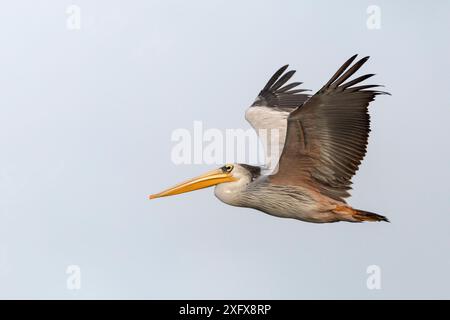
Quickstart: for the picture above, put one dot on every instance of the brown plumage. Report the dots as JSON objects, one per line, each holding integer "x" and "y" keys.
{"x": 327, "y": 136}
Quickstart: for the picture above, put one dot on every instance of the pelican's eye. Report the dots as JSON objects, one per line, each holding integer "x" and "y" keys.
{"x": 227, "y": 168}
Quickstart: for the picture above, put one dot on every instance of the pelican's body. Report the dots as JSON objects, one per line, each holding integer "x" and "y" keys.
{"x": 322, "y": 138}
{"x": 280, "y": 201}
{"x": 252, "y": 190}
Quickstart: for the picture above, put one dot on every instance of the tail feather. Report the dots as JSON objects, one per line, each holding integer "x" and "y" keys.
{"x": 347, "y": 213}
{"x": 368, "y": 216}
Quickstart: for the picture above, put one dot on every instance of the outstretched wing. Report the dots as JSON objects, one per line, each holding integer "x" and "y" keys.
{"x": 268, "y": 113}
{"x": 327, "y": 136}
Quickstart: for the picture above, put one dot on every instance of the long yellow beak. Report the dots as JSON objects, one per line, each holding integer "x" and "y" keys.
{"x": 204, "y": 181}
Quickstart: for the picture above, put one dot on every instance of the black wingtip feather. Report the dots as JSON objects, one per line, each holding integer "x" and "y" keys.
{"x": 340, "y": 70}
{"x": 290, "y": 86}
{"x": 285, "y": 78}
{"x": 349, "y": 72}
{"x": 357, "y": 80}
{"x": 275, "y": 77}
{"x": 276, "y": 93}
{"x": 337, "y": 82}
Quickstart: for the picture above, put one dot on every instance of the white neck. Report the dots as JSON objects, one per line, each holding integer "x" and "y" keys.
{"x": 230, "y": 192}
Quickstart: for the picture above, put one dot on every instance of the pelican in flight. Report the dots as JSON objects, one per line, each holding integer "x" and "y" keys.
{"x": 323, "y": 138}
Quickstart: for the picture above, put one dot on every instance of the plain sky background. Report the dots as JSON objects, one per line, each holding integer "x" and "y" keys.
{"x": 86, "y": 118}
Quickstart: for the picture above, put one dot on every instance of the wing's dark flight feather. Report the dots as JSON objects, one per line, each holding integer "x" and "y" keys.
{"x": 277, "y": 94}
{"x": 349, "y": 73}
{"x": 285, "y": 78}
{"x": 275, "y": 77}
{"x": 340, "y": 71}
{"x": 357, "y": 80}
{"x": 296, "y": 91}
{"x": 290, "y": 86}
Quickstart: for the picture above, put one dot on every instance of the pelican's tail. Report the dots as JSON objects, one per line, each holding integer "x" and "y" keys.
{"x": 368, "y": 216}
{"x": 354, "y": 215}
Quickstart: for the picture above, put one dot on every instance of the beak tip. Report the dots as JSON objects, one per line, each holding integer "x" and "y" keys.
{"x": 152, "y": 196}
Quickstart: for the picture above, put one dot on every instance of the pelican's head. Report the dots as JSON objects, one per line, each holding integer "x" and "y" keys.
{"x": 230, "y": 180}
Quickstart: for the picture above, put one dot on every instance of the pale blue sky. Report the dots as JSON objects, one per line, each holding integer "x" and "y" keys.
{"x": 85, "y": 124}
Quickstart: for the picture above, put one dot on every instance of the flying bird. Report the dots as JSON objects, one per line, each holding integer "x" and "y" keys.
{"x": 323, "y": 138}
